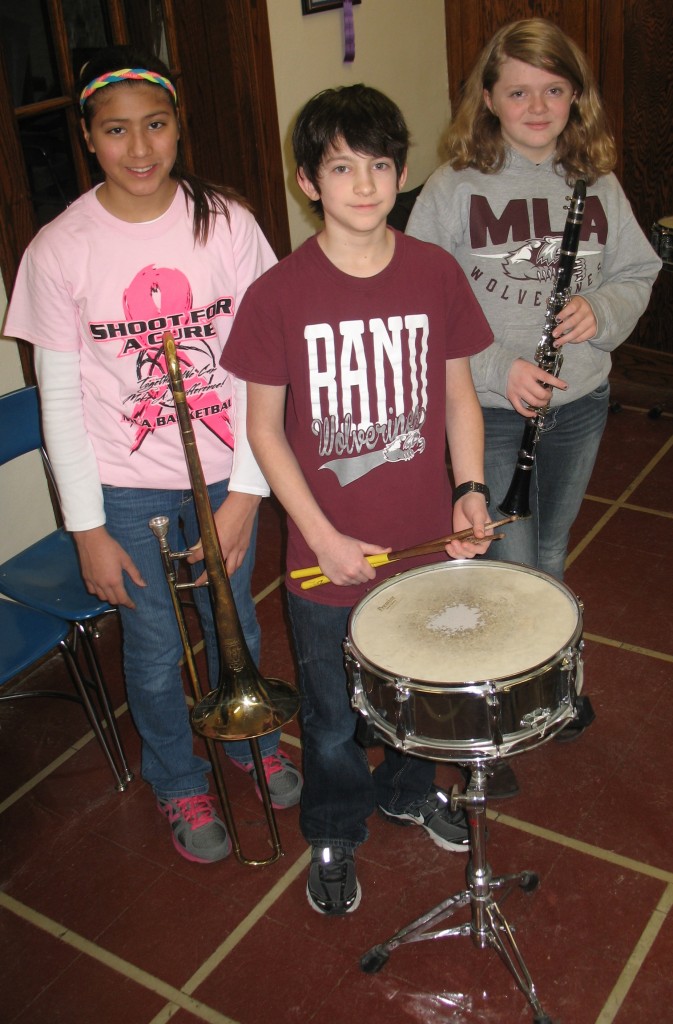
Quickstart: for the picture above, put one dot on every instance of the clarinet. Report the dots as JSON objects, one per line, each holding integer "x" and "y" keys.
{"x": 548, "y": 358}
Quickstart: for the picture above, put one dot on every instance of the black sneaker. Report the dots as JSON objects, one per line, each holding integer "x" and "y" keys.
{"x": 332, "y": 887}
{"x": 445, "y": 827}
{"x": 576, "y": 726}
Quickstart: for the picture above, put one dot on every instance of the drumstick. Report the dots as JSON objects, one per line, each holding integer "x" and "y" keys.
{"x": 376, "y": 560}
{"x": 428, "y": 548}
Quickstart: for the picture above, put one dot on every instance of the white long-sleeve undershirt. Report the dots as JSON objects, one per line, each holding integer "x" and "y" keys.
{"x": 71, "y": 453}
{"x": 67, "y": 442}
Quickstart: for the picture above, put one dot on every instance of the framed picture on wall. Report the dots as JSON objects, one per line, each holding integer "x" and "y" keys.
{"x": 313, "y": 6}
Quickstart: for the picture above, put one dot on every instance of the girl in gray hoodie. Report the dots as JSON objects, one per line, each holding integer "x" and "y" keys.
{"x": 530, "y": 124}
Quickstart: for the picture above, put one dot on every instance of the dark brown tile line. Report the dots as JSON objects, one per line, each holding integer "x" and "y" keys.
{"x": 619, "y": 502}
{"x": 653, "y": 926}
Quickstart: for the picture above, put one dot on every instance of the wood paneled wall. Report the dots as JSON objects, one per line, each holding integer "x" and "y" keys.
{"x": 648, "y": 144}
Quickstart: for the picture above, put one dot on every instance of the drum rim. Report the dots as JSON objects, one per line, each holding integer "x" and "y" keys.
{"x": 469, "y": 686}
{"x": 473, "y": 686}
{"x": 454, "y": 563}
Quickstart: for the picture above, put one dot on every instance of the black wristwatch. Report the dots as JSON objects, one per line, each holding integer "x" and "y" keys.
{"x": 471, "y": 485}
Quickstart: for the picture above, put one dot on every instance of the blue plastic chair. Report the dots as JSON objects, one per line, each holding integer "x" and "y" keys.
{"x": 46, "y": 575}
{"x": 28, "y": 636}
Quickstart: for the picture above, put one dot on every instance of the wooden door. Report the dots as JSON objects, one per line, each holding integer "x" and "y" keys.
{"x": 648, "y": 145}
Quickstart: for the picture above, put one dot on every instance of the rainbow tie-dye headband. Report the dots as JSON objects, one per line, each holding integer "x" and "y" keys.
{"x": 126, "y": 74}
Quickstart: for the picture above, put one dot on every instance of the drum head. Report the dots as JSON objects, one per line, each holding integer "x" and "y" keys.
{"x": 464, "y": 621}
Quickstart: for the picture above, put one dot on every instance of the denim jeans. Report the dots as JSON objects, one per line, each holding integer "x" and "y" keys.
{"x": 339, "y": 792}
{"x": 151, "y": 639}
{"x": 564, "y": 459}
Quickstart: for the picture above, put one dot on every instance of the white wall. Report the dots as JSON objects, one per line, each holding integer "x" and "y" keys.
{"x": 25, "y": 507}
{"x": 400, "y": 48}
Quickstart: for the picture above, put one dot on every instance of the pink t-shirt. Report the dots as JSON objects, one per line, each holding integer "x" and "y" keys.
{"x": 109, "y": 289}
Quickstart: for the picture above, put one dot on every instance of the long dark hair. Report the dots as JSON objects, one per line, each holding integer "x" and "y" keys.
{"x": 209, "y": 200}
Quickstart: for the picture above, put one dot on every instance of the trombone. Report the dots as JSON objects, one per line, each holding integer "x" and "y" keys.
{"x": 244, "y": 705}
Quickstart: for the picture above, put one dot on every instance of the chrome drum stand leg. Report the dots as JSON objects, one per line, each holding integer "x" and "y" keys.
{"x": 487, "y": 926}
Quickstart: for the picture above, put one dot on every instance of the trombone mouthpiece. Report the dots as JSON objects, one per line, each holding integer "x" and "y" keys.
{"x": 159, "y": 526}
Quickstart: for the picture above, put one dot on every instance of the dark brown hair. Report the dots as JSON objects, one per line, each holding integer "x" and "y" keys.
{"x": 209, "y": 200}
{"x": 366, "y": 120}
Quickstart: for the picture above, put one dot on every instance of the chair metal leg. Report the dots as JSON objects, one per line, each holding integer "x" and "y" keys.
{"x": 122, "y": 778}
{"x": 98, "y": 683}
{"x": 487, "y": 925}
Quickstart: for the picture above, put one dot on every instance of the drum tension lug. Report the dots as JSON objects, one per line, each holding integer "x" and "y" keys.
{"x": 404, "y": 726}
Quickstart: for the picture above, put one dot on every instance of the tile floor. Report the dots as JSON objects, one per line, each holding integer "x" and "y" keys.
{"x": 101, "y": 922}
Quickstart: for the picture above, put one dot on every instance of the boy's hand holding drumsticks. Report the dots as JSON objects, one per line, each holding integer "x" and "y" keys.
{"x": 313, "y": 576}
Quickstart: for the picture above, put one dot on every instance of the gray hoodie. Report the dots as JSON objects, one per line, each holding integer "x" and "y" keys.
{"x": 505, "y": 231}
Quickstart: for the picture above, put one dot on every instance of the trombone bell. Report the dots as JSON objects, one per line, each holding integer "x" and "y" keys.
{"x": 256, "y": 707}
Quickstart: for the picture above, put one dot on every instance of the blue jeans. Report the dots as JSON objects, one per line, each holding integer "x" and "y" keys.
{"x": 152, "y": 645}
{"x": 564, "y": 459}
{"x": 339, "y": 792}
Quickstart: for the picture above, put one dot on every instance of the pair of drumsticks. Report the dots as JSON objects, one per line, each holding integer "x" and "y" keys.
{"x": 313, "y": 576}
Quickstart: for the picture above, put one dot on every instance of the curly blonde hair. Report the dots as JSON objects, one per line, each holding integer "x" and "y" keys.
{"x": 584, "y": 149}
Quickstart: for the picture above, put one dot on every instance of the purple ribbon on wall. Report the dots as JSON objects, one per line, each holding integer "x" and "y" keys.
{"x": 349, "y": 32}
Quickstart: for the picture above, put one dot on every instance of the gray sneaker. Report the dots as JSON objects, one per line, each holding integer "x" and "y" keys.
{"x": 332, "y": 887}
{"x": 445, "y": 827}
{"x": 198, "y": 834}
{"x": 283, "y": 779}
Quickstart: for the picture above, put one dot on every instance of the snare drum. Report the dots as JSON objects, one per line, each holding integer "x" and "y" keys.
{"x": 466, "y": 660}
{"x": 662, "y": 239}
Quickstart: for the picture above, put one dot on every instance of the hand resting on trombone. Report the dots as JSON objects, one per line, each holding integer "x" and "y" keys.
{"x": 234, "y": 520}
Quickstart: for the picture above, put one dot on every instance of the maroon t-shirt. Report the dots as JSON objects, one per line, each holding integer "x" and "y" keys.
{"x": 364, "y": 362}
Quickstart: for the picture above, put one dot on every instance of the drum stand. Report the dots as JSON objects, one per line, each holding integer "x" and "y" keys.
{"x": 488, "y": 926}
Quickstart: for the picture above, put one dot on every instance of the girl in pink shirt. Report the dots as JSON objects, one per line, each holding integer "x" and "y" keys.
{"x": 150, "y": 249}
